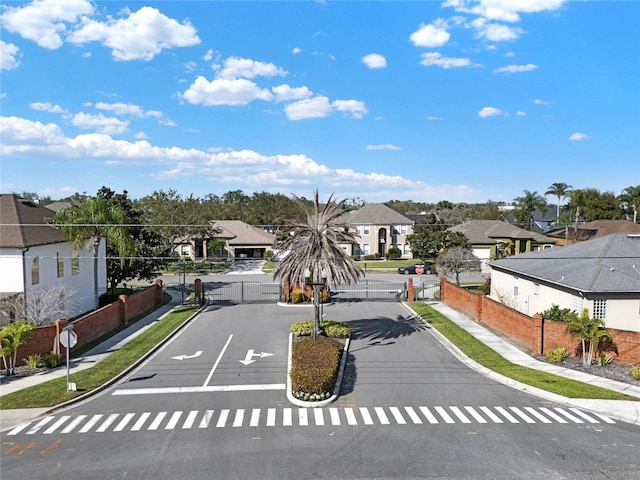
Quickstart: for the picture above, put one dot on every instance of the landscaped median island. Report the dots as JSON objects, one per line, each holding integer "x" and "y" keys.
{"x": 315, "y": 363}
{"x": 489, "y": 358}
{"x": 54, "y": 392}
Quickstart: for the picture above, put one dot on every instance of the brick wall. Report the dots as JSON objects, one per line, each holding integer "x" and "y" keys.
{"x": 532, "y": 333}
{"x": 95, "y": 324}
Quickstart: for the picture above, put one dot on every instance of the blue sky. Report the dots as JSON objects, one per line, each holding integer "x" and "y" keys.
{"x": 458, "y": 100}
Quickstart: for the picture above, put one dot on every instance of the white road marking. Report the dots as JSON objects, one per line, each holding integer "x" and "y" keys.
{"x": 215, "y": 365}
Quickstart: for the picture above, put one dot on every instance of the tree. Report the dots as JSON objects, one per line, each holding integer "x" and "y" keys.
{"x": 11, "y": 337}
{"x": 590, "y": 331}
{"x": 630, "y": 200}
{"x": 95, "y": 219}
{"x": 315, "y": 246}
{"x": 148, "y": 244}
{"x": 431, "y": 236}
{"x": 525, "y": 206}
{"x": 41, "y": 306}
{"x": 457, "y": 260}
{"x": 592, "y": 204}
{"x": 559, "y": 190}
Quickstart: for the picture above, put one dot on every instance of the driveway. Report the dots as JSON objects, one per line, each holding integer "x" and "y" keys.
{"x": 245, "y": 267}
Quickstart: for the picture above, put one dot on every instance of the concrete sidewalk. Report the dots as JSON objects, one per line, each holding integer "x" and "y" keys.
{"x": 13, "y": 417}
{"x": 628, "y": 411}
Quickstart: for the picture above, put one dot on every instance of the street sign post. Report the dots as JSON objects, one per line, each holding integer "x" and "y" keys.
{"x": 68, "y": 338}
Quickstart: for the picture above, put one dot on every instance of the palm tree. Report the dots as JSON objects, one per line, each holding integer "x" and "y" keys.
{"x": 92, "y": 220}
{"x": 527, "y": 204}
{"x": 589, "y": 331}
{"x": 630, "y": 197}
{"x": 560, "y": 190}
{"x": 315, "y": 250}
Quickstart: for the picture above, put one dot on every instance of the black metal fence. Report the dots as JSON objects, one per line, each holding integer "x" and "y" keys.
{"x": 370, "y": 290}
{"x": 242, "y": 292}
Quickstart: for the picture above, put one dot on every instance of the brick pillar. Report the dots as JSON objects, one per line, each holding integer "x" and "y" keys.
{"x": 198, "y": 290}
{"x": 410, "y": 290}
{"x": 122, "y": 301}
{"x": 158, "y": 284}
{"x": 443, "y": 288}
{"x": 479, "y": 300}
{"x": 285, "y": 289}
{"x": 538, "y": 341}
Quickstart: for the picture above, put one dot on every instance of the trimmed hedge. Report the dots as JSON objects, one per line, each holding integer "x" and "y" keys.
{"x": 330, "y": 328}
{"x": 314, "y": 366}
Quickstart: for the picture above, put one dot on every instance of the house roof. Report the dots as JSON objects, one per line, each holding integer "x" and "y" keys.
{"x": 23, "y": 223}
{"x": 489, "y": 231}
{"x": 600, "y": 228}
{"x": 240, "y": 233}
{"x": 606, "y": 264}
{"x": 376, "y": 214}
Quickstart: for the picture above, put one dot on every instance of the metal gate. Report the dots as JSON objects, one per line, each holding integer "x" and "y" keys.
{"x": 369, "y": 290}
{"x": 242, "y": 292}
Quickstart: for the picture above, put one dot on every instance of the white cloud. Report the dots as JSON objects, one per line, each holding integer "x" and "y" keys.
{"x": 208, "y": 56}
{"x": 516, "y": 68}
{"x": 431, "y": 35}
{"x": 224, "y": 92}
{"x": 521, "y": 113}
{"x": 100, "y": 123}
{"x": 47, "y": 107}
{"x": 436, "y": 59}
{"x": 246, "y": 68}
{"x": 285, "y": 93}
{"x": 495, "y": 32}
{"x": 503, "y": 10}
{"x": 490, "y": 112}
{"x": 538, "y": 101}
{"x": 43, "y": 21}
{"x": 356, "y": 108}
{"x": 385, "y": 146}
{"x": 579, "y": 137}
{"x": 317, "y": 107}
{"x": 433, "y": 118}
{"x": 140, "y": 36}
{"x": 296, "y": 50}
{"x": 374, "y": 60}
{"x": 9, "y": 56}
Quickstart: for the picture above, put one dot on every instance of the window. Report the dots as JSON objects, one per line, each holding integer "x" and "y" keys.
{"x": 35, "y": 271}
{"x": 600, "y": 309}
{"x": 75, "y": 263}
{"x": 399, "y": 229}
{"x": 536, "y": 289}
{"x": 365, "y": 249}
{"x": 516, "y": 287}
{"x": 576, "y": 303}
{"x": 406, "y": 249}
{"x": 60, "y": 261}
{"x": 365, "y": 229}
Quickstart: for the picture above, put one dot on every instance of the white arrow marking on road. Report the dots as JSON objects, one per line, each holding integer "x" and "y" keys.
{"x": 184, "y": 357}
{"x": 248, "y": 359}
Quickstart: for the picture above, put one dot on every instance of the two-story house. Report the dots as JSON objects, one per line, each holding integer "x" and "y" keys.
{"x": 36, "y": 260}
{"x": 378, "y": 228}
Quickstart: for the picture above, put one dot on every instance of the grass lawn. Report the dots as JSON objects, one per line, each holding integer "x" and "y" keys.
{"x": 55, "y": 391}
{"x": 489, "y": 358}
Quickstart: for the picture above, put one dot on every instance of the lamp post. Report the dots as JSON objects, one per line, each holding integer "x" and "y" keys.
{"x": 309, "y": 281}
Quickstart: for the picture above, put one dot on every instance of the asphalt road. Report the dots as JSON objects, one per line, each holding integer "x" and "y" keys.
{"x": 211, "y": 404}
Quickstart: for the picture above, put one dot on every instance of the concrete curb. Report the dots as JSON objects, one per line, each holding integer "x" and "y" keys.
{"x": 336, "y": 388}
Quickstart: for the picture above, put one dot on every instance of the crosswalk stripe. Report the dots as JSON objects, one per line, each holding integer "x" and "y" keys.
{"x": 445, "y": 416}
{"x": 190, "y": 420}
{"x": 415, "y": 418}
{"x": 56, "y": 425}
{"x": 522, "y": 415}
{"x": 366, "y": 416}
{"x": 206, "y": 419}
{"x": 431, "y": 418}
{"x": 507, "y": 415}
{"x": 476, "y": 416}
{"x": 286, "y": 417}
{"x": 351, "y": 416}
{"x": 141, "y": 421}
{"x": 107, "y": 423}
{"x": 74, "y": 423}
{"x": 461, "y": 416}
{"x": 557, "y": 418}
{"x": 334, "y": 415}
{"x": 123, "y": 423}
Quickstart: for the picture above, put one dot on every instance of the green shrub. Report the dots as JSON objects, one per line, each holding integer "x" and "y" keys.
{"x": 557, "y": 355}
{"x": 557, "y": 314}
{"x": 33, "y": 361}
{"x": 268, "y": 255}
{"x": 393, "y": 253}
{"x": 297, "y": 296}
{"x": 605, "y": 359}
{"x": 330, "y": 328}
{"x": 52, "y": 360}
{"x": 314, "y": 366}
{"x": 635, "y": 373}
{"x": 323, "y": 296}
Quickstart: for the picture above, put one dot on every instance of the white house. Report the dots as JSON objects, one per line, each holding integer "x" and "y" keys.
{"x": 601, "y": 275}
{"x": 35, "y": 260}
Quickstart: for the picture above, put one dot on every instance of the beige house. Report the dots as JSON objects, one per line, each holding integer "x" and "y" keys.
{"x": 378, "y": 228}
{"x": 601, "y": 275}
{"x": 241, "y": 241}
